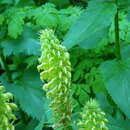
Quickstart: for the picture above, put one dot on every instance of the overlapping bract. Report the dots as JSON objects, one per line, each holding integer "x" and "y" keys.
{"x": 6, "y": 110}
{"x": 56, "y": 70}
{"x": 92, "y": 117}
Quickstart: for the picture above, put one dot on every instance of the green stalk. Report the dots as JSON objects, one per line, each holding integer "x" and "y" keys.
{"x": 117, "y": 35}
{"x": 5, "y": 66}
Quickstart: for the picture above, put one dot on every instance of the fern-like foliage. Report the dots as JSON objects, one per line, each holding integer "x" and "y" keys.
{"x": 15, "y": 22}
{"x": 44, "y": 16}
{"x": 6, "y": 115}
{"x": 67, "y": 17}
{"x": 56, "y": 70}
{"x": 48, "y": 16}
{"x": 41, "y": 17}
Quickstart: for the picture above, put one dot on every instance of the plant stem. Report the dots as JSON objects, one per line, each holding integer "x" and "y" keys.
{"x": 117, "y": 36}
{"x": 5, "y": 66}
{"x": 23, "y": 117}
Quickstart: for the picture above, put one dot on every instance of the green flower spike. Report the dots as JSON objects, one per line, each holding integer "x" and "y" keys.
{"x": 6, "y": 115}
{"x": 92, "y": 117}
{"x": 56, "y": 70}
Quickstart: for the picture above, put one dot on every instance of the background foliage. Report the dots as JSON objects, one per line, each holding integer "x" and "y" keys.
{"x": 87, "y": 29}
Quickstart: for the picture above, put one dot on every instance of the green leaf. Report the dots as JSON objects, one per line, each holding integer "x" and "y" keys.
{"x": 29, "y": 94}
{"x": 15, "y": 24}
{"x": 116, "y": 76}
{"x": 30, "y": 125}
{"x": 26, "y": 44}
{"x": 44, "y": 16}
{"x": 92, "y": 26}
{"x": 31, "y": 61}
{"x": 67, "y": 17}
{"x": 81, "y": 92}
{"x": 125, "y": 52}
{"x": 94, "y": 79}
{"x": 116, "y": 124}
{"x": 103, "y": 101}
{"x": 41, "y": 123}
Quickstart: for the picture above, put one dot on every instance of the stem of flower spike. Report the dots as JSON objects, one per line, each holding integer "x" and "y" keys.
{"x": 117, "y": 35}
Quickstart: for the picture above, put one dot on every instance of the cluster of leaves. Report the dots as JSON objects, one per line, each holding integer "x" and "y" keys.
{"x": 85, "y": 62}
{"x": 20, "y": 47}
{"x": 96, "y": 71}
{"x": 91, "y": 39}
{"x": 38, "y": 17}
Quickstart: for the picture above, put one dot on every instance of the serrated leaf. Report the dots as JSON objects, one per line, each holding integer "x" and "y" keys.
{"x": 26, "y": 44}
{"x": 41, "y": 123}
{"x": 31, "y": 61}
{"x": 15, "y": 24}
{"x": 116, "y": 76}
{"x": 67, "y": 17}
{"x": 29, "y": 94}
{"x": 93, "y": 22}
{"x": 30, "y": 125}
{"x": 45, "y": 16}
{"x": 94, "y": 79}
{"x": 115, "y": 124}
{"x": 79, "y": 70}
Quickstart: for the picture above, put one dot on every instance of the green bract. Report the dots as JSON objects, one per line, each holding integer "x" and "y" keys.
{"x": 6, "y": 115}
{"x": 56, "y": 70}
{"x": 92, "y": 117}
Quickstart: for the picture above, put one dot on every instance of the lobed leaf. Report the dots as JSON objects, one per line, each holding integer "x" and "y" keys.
{"x": 26, "y": 44}
{"x": 29, "y": 94}
{"x": 15, "y": 24}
